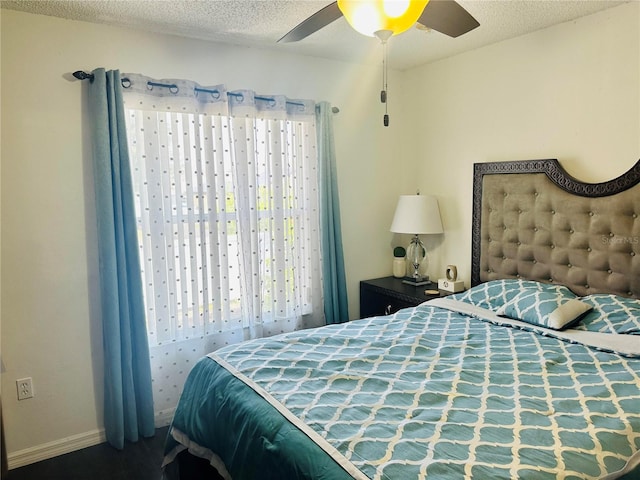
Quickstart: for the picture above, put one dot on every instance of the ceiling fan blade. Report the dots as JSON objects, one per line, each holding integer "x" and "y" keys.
{"x": 315, "y": 22}
{"x": 448, "y": 17}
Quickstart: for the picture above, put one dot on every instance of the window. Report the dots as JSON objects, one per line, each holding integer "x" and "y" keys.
{"x": 227, "y": 211}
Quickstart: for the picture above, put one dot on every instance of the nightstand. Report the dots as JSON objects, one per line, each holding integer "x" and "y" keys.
{"x": 387, "y": 295}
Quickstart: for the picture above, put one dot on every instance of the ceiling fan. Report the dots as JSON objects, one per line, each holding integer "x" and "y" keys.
{"x": 444, "y": 16}
{"x": 384, "y": 18}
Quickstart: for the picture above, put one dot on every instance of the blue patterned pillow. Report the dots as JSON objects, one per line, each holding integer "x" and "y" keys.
{"x": 611, "y": 314}
{"x": 545, "y": 308}
{"x": 495, "y": 293}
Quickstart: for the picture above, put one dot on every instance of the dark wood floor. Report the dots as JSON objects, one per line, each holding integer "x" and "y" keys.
{"x": 138, "y": 461}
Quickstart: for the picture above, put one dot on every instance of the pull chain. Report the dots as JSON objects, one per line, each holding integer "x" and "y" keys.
{"x": 383, "y": 36}
{"x": 383, "y": 93}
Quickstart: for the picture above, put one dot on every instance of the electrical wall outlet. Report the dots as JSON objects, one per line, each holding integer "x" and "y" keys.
{"x": 25, "y": 388}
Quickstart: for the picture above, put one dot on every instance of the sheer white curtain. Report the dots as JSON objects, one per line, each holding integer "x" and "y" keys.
{"x": 226, "y": 191}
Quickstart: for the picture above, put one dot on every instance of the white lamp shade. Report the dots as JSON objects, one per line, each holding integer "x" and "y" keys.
{"x": 417, "y": 214}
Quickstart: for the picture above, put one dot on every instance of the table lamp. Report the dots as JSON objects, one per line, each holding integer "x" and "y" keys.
{"x": 417, "y": 215}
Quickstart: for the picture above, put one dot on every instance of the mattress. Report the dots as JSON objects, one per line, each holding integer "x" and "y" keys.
{"x": 445, "y": 390}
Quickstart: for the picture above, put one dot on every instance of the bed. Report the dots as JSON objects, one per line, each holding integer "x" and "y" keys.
{"x": 534, "y": 372}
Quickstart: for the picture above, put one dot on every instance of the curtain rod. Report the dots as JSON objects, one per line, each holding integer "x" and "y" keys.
{"x": 81, "y": 75}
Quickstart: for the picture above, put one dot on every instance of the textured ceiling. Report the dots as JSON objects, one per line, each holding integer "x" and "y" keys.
{"x": 261, "y": 23}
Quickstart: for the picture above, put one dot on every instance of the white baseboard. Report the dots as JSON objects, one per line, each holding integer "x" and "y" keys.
{"x": 55, "y": 448}
{"x": 71, "y": 444}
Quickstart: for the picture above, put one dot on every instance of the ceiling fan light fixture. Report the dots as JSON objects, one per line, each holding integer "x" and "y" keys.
{"x": 370, "y": 16}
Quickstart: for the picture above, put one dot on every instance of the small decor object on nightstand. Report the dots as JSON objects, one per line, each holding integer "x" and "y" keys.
{"x": 451, "y": 282}
{"x": 399, "y": 262}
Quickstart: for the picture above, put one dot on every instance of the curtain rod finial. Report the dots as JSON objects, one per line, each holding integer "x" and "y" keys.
{"x": 80, "y": 75}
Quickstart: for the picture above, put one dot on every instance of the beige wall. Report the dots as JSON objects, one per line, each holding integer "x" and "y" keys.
{"x": 569, "y": 92}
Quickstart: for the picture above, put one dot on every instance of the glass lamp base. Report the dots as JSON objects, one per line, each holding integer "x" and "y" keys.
{"x": 417, "y": 255}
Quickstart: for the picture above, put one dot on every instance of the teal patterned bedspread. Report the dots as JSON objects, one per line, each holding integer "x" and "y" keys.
{"x": 436, "y": 394}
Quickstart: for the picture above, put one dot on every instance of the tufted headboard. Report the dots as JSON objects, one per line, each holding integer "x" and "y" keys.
{"x": 532, "y": 220}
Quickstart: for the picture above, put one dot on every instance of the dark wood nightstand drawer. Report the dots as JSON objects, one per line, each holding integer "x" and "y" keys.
{"x": 387, "y": 295}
